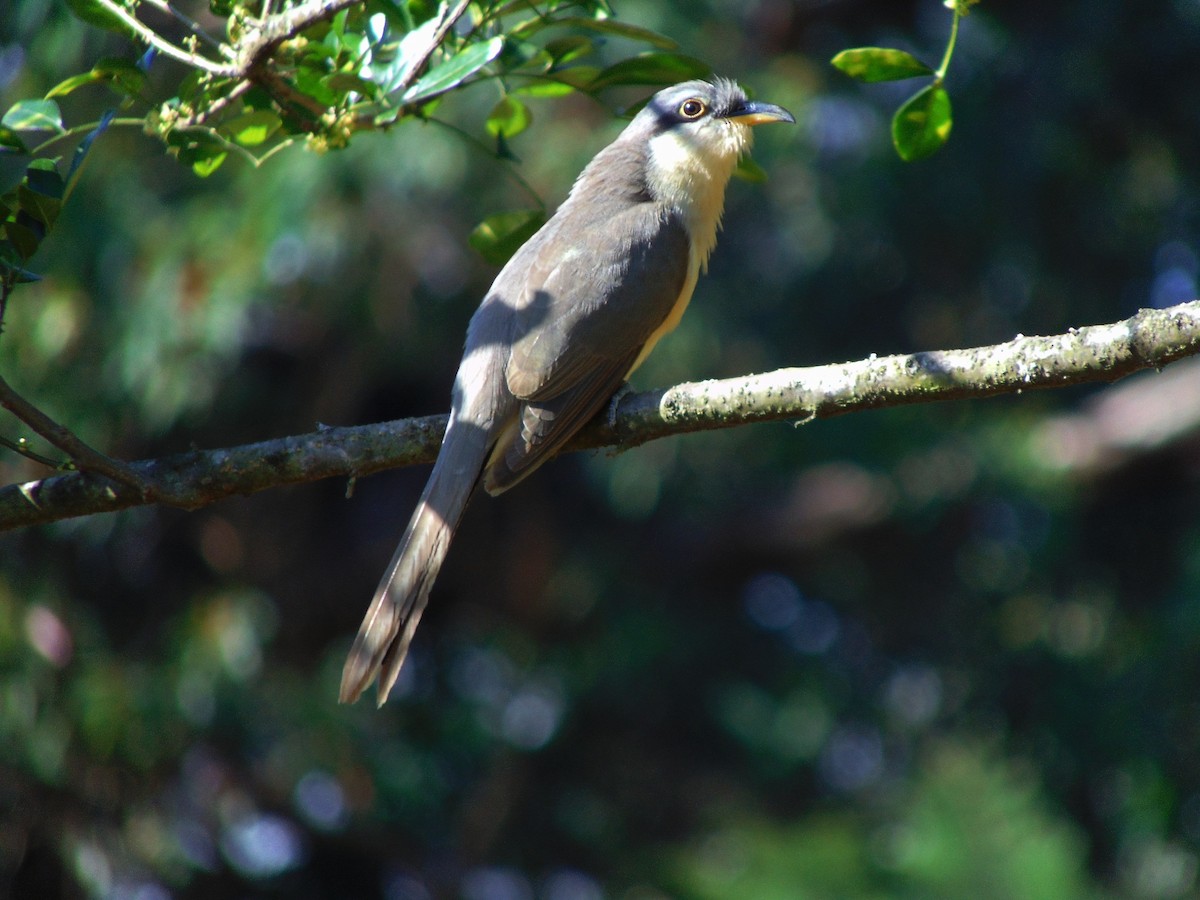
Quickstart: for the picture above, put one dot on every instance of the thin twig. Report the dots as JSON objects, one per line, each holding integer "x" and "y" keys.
{"x": 85, "y": 457}
{"x": 216, "y": 106}
{"x": 259, "y": 40}
{"x": 249, "y": 54}
{"x": 183, "y": 18}
{"x": 86, "y": 128}
{"x": 490, "y": 155}
{"x": 435, "y": 41}
{"x": 285, "y": 95}
{"x": 273, "y": 30}
{"x": 21, "y": 446}
{"x": 154, "y": 39}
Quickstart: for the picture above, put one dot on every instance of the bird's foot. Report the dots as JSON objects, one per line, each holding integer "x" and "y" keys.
{"x": 622, "y": 392}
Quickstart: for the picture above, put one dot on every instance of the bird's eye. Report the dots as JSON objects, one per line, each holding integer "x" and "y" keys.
{"x": 692, "y": 109}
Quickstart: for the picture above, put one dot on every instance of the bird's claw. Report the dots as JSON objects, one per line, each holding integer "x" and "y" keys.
{"x": 622, "y": 392}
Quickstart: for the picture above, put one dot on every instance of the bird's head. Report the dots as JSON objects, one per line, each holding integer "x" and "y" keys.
{"x": 693, "y": 134}
{"x": 708, "y": 123}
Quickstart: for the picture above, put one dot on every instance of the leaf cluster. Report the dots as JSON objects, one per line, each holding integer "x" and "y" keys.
{"x": 318, "y": 73}
{"x": 922, "y": 123}
{"x": 33, "y": 187}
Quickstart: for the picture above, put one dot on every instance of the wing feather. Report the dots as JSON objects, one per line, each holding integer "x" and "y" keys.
{"x": 580, "y": 325}
{"x": 602, "y": 297}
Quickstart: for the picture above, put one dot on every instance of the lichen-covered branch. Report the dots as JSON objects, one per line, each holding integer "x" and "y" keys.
{"x": 264, "y": 35}
{"x": 246, "y": 57}
{"x": 200, "y": 477}
{"x": 1150, "y": 339}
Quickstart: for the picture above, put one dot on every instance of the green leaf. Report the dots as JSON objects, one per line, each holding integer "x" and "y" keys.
{"x": 94, "y": 14}
{"x": 257, "y": 98}
{"x": 407, "y": 54}
{"x": 455, "y": 70}
{"x": 578, "y": 77}
{"x": 198, "y": 149}
{"x": 612, "y": 27}
{"x": 620, "y": 29}
{"x": 508, "y": 118}
{"x": 192, "y": 89}
{"x": 320, "y": 53}
{"x": 39, "y": 207}
{"x": 565, "y": 49}
{"x": 653, "y": 69}
{"x": 345, "y": 82}
{"x": 312, "y": 82}
{"x": 124, "y": 74}
{"x": 960, "y": 7}
{"x": 209, "y": 164}
{"x": 397, "y": 13}
{"x": 547, "y": 88}
{"x": 748, "y": 170}
{"x": 512, "y": 6}
{"x": 498, "y": 237}
{"x": 33, "y": 115}
{"x": 252, "y": 128}
{"x": 922, "y": 124}
{"x": 873, "y": 64}
{"x": 67, "y": 85}
{"x": 12, "y": 169}
{"x": 332, "y": 44}
{"x": 524, "y": 55}
{"x": 11, "y": 141}
{"x": 46, "y": 182}
{"x": 24, "y": 240}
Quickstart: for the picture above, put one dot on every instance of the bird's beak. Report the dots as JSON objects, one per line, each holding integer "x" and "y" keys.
{"x": 751, "y": 112}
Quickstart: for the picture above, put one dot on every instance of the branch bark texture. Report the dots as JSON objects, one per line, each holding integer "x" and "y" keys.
{"x": 1150, "y": 339}
{"x": 246, "y": 57}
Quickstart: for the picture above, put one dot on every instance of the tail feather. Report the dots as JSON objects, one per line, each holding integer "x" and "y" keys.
{"x": 387, "y": 630}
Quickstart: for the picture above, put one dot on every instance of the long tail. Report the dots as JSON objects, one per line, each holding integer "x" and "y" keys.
{"x": 386, "y": 632}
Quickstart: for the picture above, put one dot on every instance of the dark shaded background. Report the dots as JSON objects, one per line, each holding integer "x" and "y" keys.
{"x": 930, "y": 652}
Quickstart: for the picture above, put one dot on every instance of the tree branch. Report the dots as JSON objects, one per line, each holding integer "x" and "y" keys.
{"x": 248, "y": 54}
{"x": 414, "y": 69}
{"x": 248, "y": 51}
{"x": 1150, "y": 339}
{"x": 265, "y": 35}
{"x": 81, "y": 454}
{"x": 161, "y": 44}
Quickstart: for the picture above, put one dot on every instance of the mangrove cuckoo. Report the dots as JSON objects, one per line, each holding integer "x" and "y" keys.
{"x": 573, "y": 313}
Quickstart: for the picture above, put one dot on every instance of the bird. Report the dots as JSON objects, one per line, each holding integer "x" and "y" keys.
{"x": 572, "y": 314}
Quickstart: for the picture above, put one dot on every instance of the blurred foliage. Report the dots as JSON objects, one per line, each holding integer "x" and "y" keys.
{"x": 926, "y": 652}
{"x": 256, "y": 80}
{"x": 963, "y": 826}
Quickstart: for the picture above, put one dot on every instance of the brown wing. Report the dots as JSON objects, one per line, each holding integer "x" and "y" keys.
{"x": 582, "y": 322}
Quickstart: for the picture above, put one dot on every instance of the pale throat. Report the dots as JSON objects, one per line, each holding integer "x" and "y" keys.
{"x": 689, "y": 172}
